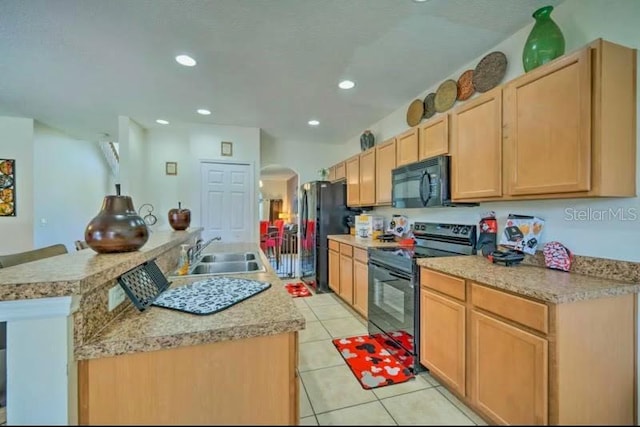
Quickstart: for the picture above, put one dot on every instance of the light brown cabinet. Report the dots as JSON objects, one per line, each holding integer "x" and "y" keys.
{"x": 442, "y": 338}
{"x": 385, "y": 163}
{"x": 509, "y": 372}
{"x": 346, "y": 273}
{"x": 570, "y": 126}
{"x": 349, "y": 275}
{"x": 407, "y": 147}
{"x": 340, "y": 171}
{"x": 521, "y": 361}
{"x": 334, "y": 270}
{"x": 368, "y": 177}
{"x": 433, "y": 138}
{"x": 476, "y": 148}
{"x": 352, "y": 166}
{"x": 360, "y": 282}
{"x": 332, "y": 174}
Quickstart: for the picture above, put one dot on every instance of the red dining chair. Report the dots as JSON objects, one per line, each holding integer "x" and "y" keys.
{"x": 274, "y": 240}
{"x": 264, "y": 231}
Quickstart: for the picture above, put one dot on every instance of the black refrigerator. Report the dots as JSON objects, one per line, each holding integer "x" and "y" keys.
{"x": 323, "y": 211}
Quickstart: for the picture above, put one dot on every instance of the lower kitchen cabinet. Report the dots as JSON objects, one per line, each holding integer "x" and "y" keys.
{"x": 360, "y": 282}
{"x": 516, "y": 360}
{"x": 346, "y": 278}
{"x": 349, "y": 275}
{"x": 442, "y": 338}
{"x": 334, "y": 271}
{"x": 509, "y": 372}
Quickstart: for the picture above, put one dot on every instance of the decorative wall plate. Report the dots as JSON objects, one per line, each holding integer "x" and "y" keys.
{"x": 446, "y": 95}
{"x": 490, "y": 71}
{"x": 465, "y": 85}
{"x": 415, "y": 112}
{"x": 429, "y": 105}
{"x": 367, "y": 140}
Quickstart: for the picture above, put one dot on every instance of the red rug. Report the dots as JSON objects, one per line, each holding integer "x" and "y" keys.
{"x": 297, "y": 290}
{"x": 370, "y": 362}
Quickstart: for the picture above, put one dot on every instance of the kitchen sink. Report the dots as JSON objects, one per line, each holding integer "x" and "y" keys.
{"x": 230, "y": 256}
{"x": 227, "y": 267}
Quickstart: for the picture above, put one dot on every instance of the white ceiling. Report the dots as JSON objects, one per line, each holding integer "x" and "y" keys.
{"x": 274, "y": 64}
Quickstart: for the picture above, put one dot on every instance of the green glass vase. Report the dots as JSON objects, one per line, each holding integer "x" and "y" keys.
{"x": 545, "y": 41}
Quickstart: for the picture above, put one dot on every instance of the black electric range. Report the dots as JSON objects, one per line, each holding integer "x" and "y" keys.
{"x": 394, "y": 289}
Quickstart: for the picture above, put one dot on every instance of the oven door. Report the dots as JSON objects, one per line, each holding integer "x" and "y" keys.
{"x": 392, "y": 305}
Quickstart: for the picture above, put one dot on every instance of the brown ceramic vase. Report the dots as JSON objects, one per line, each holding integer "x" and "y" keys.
{"x": 179, "y": 219}
{"x": 117, "y": 227}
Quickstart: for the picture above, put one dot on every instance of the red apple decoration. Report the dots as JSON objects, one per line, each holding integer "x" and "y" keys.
{"x": 179, "y": 219}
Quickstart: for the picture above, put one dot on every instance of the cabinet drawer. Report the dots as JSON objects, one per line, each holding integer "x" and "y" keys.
{"x": 334, "y": 246}
{"x": 448, "y": 285}
{"x": 360, "y": 255}
{"x": 346, "y": 250}
{"x": 526, "y": 312}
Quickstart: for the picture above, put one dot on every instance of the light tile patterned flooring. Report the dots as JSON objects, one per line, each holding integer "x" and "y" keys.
{"x": 331, "y": 395}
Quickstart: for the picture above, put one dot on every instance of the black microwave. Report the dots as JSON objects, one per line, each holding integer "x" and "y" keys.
{"x": 423, "y": 184}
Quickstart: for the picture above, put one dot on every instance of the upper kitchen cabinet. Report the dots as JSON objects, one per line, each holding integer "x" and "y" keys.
{"x": 339, "y": 171}
{"x": 407, "y": 147}
{"x": 385, "y": 163}
{"x": 352, "y": 167}
{"x": 368, "y": 177}
{"x": 476, "y": 148}
{"x": 434, "y": 137}
{"x": 570, "y": 126}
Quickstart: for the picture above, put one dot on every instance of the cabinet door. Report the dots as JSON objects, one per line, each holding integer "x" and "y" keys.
{"x": 332, "y": 174}
{"x": 346, "y": 278}
{"x": 334, "y": 271}
{"x": 340, "y": 171}
{"x": 368, "y": 177}
{"x": 476, "y": 148}
{"x": 353, "y": 181}
{"x": 385, "y": 163}
{"x": 508, "y": 371}
{"x": 434, "y": 138}
{"x": 407, "y": 147}
{"x": 548, "y": 128}
{"x": 361, "y": 288}
{"x": 442, "y": 338}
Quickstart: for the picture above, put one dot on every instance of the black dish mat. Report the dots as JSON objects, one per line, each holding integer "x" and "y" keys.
{"x": 210, "y": 295}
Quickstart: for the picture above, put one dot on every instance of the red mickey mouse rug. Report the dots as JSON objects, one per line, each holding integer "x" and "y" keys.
{"x": 297, "y": 290}
{"x": 372, "y": 364}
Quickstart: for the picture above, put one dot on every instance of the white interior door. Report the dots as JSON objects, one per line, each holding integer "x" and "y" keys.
{"x": 227, "y": 201}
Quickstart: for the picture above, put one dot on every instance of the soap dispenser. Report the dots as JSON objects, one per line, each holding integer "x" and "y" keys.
{"x": 184, "y": 260}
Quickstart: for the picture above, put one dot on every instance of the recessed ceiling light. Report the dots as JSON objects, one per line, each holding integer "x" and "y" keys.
{"x": 346, "y": 84}
{"x": 204, "y": 111}
{"x": 314, "y": 122}
{"x": 162, "y": 122}
{"x": 420, "y": 1}
{"x": 185, "y": 60}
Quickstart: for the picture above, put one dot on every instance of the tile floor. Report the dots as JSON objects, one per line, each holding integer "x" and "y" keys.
{"x": 331, "y": 395}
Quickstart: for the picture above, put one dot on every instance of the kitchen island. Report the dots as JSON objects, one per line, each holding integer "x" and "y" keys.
{"x": 160, "y": 366}
{"x": 527, "y": 345}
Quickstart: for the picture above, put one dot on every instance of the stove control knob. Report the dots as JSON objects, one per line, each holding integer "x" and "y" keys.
{"x": 465, "y": 230}
{"x": 456, "y": 230}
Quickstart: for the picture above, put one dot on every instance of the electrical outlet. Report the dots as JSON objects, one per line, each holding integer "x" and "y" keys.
{"x": 116, "y": 296}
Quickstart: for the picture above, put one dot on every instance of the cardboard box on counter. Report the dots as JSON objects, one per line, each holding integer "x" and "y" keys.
{"x": 369, "y": 226}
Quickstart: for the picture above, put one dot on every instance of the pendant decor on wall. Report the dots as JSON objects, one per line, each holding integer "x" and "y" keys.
{"x": 7, "y": 187}
{"x": 545, "y": 41}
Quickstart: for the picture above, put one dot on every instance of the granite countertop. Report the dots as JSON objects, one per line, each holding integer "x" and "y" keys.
{"x": 267, "y": 313}
{"x": 78, "y": 272}
{"x": 360, "y": 242}
{"x": 541, "y": 283}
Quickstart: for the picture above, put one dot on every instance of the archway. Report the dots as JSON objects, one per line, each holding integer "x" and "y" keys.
{"x": 278, "y": 212}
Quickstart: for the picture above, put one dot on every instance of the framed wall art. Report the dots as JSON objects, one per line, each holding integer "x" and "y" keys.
{"x": 226, "y": 148}
{"x": 7, "y": 187}
{"x": 171, "y": 168}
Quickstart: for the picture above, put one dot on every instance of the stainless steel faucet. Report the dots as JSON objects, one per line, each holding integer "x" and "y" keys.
{"x": 193, "y": 253}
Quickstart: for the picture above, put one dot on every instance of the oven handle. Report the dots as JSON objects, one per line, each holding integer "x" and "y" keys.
{"x": 392, "y": 273}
